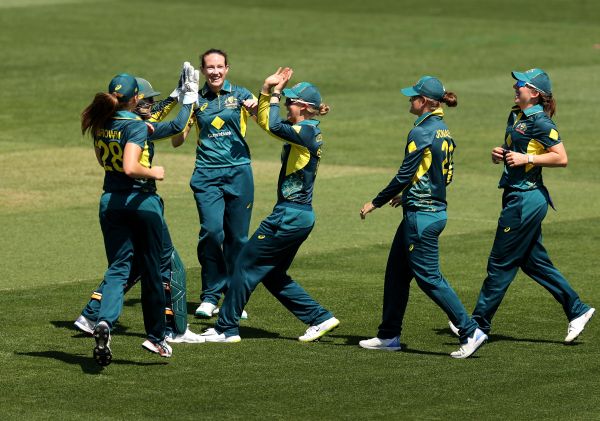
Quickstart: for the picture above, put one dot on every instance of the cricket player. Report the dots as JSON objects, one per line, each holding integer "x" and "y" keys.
{"x": 271, "y": 249}
{"x": 425, "y": 172}
{"x": 222, "y": 181}
{"x": 531, "y": 142}
{"x": 172, "y": 269}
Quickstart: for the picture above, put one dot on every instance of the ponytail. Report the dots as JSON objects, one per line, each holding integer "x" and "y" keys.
{"x": 322, "y": 110}
{"x": 548, "y": 103}
{"x": 98, "y": 112}
{"x": 450, "y": 99}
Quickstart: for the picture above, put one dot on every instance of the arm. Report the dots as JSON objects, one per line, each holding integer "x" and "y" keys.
{"x": 133, "y": 168}
{"x": 179, "y": 138}
{"x": 162, "y": 108}
{"x": 173, "y": 127}
{"x": 555, "y": 156}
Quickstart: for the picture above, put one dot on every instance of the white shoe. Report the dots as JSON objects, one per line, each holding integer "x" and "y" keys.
{"x": 453, "y": 328}
{"x": 473, "y": 343}
{"x": 211, "y": 335}
{"x": 188, "y": 337}
{"x": 85, "y": 325}
{"x": 205, "y": 310}
{"x": 577, "y": 325}
{"x": 161, "y": 348}
{"x": 315, "y": 332}
{"x": 244, "y": 315}
{"x": 381, "y": 344}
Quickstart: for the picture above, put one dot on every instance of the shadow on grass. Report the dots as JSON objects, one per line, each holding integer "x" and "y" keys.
{"x": 119, "y": 329}
{"x": 499, "y": 338}
{"x": 87, "y": 363}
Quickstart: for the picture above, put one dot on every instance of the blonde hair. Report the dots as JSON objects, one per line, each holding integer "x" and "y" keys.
{"x": 322, "y": 110}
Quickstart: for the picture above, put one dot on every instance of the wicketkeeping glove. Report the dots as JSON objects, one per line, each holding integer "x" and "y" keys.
{"x": 177, "y": 92}
{"x": 191, "y": 85}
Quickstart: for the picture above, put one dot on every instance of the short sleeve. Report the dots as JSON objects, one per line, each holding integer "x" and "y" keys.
{"x": 546, "y": 133}
{"x": 137, "y": 133}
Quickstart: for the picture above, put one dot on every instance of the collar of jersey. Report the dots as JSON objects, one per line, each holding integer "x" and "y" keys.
{"x": 126, "y": 115}
{"x": 225, "y": 88}
{"x": 437, "y": 112}
{"x": 308, "y": 122}
{"x": 537, "y": 108}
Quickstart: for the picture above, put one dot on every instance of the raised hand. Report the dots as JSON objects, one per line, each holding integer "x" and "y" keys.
{"x": 178, "y": 91}
{"x": 191, "y": 84}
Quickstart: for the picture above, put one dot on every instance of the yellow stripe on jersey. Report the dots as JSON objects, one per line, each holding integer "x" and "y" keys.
{"x": 298, "y": 158}
{"x": 412, "y": 146}
{"x": 553, "y": 134}
{"x": 244, "y": 118}
{"x": 160, "y": 115}
{"x": 534, "y": 148}
{"x": 423, "y": 166}
{"x": 145, "y": 158}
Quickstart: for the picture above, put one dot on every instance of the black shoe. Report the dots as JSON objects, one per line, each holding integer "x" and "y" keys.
{"x": 102, "y": 352}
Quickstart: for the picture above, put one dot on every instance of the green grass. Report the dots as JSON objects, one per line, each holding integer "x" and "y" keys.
{"x": 58, "y": 53}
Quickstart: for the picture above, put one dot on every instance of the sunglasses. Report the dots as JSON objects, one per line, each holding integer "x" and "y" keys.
{"x": 291, "y": 101}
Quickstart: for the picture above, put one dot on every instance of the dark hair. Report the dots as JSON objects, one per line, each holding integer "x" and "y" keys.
{"x": 213, "y": 51}
{"x": 449, "y": 99}
{"x": 548, "y": 103}
{"x": 96, "y": 114}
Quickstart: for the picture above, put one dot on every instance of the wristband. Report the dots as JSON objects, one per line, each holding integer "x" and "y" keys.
{"x": 530, "y": 159}
{"x": 276, "y": 95}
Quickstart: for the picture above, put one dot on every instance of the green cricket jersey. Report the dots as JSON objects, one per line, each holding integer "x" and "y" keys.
{"x": 124, "y": 127}
{"x": 529, "y": 132}
{"x": 221, "y": 120}
{"x": 427, "y": 166}
{"x": 300, "y": 155}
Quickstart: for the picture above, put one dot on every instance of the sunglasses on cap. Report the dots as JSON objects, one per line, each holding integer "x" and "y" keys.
{"x": 291, "y": 101}
{"x": 521, "y": 84}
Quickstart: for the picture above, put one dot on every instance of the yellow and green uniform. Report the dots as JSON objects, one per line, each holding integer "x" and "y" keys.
{"x": 222, "y": 183}
{"x": 169, "y": 256}
{"x": 131, "y": 215}
{"x": 268, "y": 254}
{"x": 518, "y": 241}
{"x": 422, "y": 178}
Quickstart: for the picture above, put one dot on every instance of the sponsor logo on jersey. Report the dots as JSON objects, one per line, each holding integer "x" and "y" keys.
{"x": 261, "y": 237}
{"x": 507, "y": 229}
{"x": 203, "y": 106}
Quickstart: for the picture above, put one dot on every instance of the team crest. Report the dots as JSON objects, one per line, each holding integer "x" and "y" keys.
{"x": 231, "y": 102}
{"x": 521, "y": 127}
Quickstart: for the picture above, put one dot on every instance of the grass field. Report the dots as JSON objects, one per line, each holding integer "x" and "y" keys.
{"x": 57, "y": 53}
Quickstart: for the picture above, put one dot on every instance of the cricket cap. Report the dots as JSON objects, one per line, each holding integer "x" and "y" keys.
{"x": 123, "y": 86}
{"x": 305, "y": 92}
{"x": 536, "y": 78}
{"x": 146, "y": 89}
{"x": 427, "y": 86}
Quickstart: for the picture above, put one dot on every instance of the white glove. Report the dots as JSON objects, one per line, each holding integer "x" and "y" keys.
{"x": 177, "y": 92}
{"x": 191, "y": 85}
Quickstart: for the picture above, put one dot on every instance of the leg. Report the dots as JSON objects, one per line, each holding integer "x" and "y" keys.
{"x": 512, "y": 243}
{"x": 211, "y": 207}
{"x": 149, "y": 225}
{"x": 396, "y": 285}
{"x": 116, "y": 229}
{"x": 424, "y": 262}
{"x": 539, "y": 267}
{"x": 239, "y": 198}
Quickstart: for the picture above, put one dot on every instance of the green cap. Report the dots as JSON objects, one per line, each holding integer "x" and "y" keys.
{"x": 146, "y": 90}
{"x": 427, "y": 86}
{"x": 304, "y": 91}
{"x": 536, "y": 78}
{"x": 123, "y": 86}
